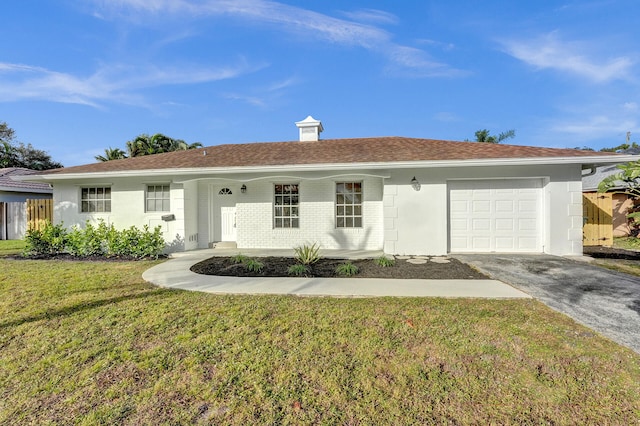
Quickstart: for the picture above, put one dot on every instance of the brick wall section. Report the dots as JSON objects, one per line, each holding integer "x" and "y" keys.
{"x": 317, "y": 217}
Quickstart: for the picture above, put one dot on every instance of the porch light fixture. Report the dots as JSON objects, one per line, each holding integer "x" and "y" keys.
{"x": 415, "y": 184}
{"x": 243, "y": 188}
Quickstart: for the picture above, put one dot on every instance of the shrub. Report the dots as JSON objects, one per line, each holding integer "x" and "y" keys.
{"x": 51, "y": 239}
{"x": 100, "y": 240}
{"x": 298, "y": 270}
{"x": 139, "y": 243}
{"x": 347, "y": 269}
{"x": 253, "y": 265}
{"x": 90, "y": 241}
{"x": 307, "y": 255}
{"x": 151, "y": 243}
{"x": 385, "y": 261}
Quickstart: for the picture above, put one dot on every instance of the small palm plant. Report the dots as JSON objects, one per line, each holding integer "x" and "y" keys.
{"x": 253, "y": 265}
{"x": 347, "y": 269}
{"x": 307, "y": 255}
{"x": 385, "y": 262}
{"x": 298, "y": 270}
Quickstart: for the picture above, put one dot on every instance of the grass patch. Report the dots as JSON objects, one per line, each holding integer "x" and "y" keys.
{"x": 627, "y": 243}
{"x": 631, "y": 267}
{"x": 11, "y": 247}
{"x": 91, "y": 343}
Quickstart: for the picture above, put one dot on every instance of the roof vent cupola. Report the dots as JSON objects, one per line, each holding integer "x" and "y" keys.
{"x": 310, "y": 129}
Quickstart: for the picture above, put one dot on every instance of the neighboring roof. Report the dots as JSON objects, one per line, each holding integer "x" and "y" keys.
{"x": 10, "y": 185}
{"x": 590, "y": 183}
{"x": 363, "y": 152}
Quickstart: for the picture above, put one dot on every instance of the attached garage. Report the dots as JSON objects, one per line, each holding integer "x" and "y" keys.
{"x": 497, "y": 215}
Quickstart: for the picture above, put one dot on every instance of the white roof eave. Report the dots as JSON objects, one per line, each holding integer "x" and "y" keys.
{"x": 589, "y": 161}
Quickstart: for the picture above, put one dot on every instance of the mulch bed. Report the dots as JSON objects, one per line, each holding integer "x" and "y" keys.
{"x": 600, "y": 252}
{"x": 326, "y": 268}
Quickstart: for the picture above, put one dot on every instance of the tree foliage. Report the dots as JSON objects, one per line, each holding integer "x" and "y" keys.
{"x": 18, "y": 154}
{"x": 112, "y": 154}
{"x": 626, "y": 181}
{"x": 621, "y": 147}
{"x": 145, "y": 144}
{"x": 485, "y": 136}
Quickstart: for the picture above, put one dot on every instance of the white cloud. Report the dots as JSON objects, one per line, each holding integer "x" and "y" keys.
{"x": 252, "y": 100}
{"x": 446, "y": 117}
{"x": 372, "y": 15}
{"x": 284, "y": 17}
{"x": 415, "y": 62}
{"x": 283, "y": 84}
{"x": 578, "y": 58}
{"x": 107, "y": 84}
{"x": 595, "y": 127}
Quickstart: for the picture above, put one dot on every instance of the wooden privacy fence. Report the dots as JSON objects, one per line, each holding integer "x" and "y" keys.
{"x": 598, "y": 219}
{"x": 17, "y": 217}
{"x": 38, "y": 213}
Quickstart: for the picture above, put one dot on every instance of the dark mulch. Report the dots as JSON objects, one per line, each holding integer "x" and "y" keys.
{"x": 326, "y": 268}
{"x": 600, "y": 252}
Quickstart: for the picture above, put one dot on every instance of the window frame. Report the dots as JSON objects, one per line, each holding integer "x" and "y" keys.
{"x": 349, "y": 205}
{"x": 156, "y": 199}
{"x": 96, "y": 196}
{"x": 286, "y": 206}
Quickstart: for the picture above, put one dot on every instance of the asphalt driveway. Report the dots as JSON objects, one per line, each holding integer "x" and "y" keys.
{"x": 606, "y": 301}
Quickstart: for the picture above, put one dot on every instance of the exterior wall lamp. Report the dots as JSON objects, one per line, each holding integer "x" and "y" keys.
{"x": 415, "y": 184}
{"x": 243, "y": 188}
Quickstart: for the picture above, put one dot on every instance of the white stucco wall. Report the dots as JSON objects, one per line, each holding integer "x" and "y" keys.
{"x": 128, "y": 207}
{"x": 397, "y": 218}
{"x": 416, "y": 222}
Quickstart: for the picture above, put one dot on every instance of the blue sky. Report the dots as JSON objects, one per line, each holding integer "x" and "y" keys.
{"x": 78, "y": 76}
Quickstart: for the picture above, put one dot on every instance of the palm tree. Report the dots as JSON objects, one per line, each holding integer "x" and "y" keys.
{"x": 112, "y": 154}
{"x": 484, "y": 136}
{"x": 140, "y": 146}
{"x": 156, "y": 144}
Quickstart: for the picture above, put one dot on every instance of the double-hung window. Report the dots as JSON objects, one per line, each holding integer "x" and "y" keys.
{"x": 348, "y": 204}
{"x": 157, "y": 198}
{"x": 286, "y": 204}
{"x": 95, "y": 199}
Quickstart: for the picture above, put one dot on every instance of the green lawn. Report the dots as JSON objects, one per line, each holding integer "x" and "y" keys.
{"x": 91, "y": 343}
{"x": 631, "y": 267}
{"x": 11, "y": 247}
{"x": 627, "y": 243}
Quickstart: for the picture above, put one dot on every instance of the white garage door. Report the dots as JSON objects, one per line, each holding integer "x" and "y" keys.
{"x": 495, "y": 215}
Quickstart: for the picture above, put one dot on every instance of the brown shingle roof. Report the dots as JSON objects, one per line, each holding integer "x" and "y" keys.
{"x": 330, "y": 151}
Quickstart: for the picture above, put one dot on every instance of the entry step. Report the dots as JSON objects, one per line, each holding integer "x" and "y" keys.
{"x": 224, "y": 244}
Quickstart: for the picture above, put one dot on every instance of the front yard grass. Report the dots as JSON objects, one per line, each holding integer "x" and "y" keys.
{"x": 627, "y": 243}
{"x": 91, "y": 343}
{"x": 631, "y": 267}
{"x": 11, "y": 247}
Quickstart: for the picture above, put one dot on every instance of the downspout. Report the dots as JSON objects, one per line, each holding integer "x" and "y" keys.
{"x": 592, "y": 171}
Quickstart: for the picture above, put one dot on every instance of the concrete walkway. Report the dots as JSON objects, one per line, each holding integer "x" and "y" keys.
{"x": 175, "y": 274}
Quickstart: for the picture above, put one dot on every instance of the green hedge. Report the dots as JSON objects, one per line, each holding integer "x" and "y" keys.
{"x": 100, "y": 240}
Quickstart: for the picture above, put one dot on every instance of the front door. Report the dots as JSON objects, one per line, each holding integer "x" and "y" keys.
{"x": 228, "y": 216}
